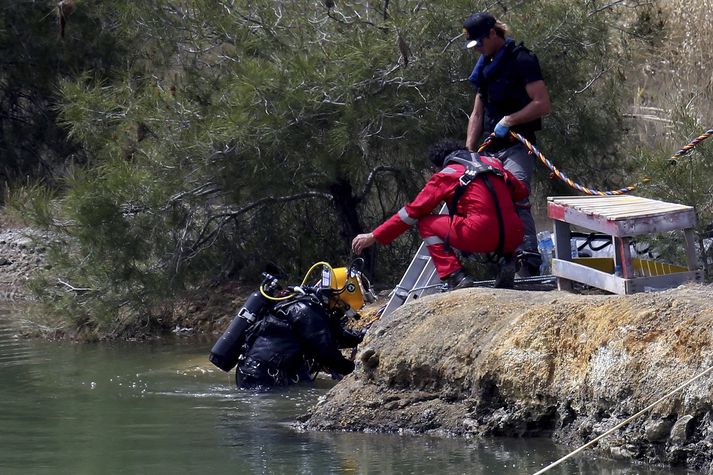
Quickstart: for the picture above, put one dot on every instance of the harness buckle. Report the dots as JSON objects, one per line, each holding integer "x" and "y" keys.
{"x": 274, "y": 373}
{"x": 467, "y": 177}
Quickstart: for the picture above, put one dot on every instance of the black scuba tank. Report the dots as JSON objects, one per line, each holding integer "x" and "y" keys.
{"x": 226, "y": 350}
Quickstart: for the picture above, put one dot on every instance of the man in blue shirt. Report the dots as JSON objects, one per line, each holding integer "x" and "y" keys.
{"x": 510, "y": 95}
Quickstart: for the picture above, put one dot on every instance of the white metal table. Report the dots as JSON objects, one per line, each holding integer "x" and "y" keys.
{"x": 622, "y": 217}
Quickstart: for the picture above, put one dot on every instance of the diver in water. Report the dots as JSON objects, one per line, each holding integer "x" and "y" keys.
{"x": 286, "y": 336}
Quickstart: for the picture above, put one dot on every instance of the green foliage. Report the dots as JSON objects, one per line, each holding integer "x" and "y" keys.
{"x": 580, "y": 51}
{"x": 226, "y": 136}
{"x": 672, "y": 105}
{"x": 687, "y": 179}
{"x": 32, "y": 204}
{"x": 34, "y": 56}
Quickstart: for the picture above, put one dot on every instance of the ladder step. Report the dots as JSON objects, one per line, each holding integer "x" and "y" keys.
{"x": 419, "y": 279}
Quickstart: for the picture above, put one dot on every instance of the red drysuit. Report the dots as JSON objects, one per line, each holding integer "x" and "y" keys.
{"x": 475, "y": 224}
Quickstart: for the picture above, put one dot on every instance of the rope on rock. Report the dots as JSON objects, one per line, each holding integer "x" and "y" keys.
{"x": 581, "y": 188}
{"x": 594, "y": 441}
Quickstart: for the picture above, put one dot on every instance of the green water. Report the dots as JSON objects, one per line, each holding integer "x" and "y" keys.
{"x": 161, "y": 408}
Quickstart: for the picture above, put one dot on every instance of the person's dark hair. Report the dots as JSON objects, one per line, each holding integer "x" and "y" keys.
{"x": 501, "y": 29}
{"x": 438, "y": 152}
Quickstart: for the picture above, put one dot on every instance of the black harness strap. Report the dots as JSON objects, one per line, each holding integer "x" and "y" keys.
{"x": 501, "y": 224}
{"x": 473, "y": 168}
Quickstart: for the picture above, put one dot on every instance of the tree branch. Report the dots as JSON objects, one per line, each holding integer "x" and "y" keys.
{"x": 201, "y": 190}
{"x": 277, "y": 199}
{"x": 223, "y": 218}
{"x": 72, "y": 288}
{"x": 593, "y": 80}
{"x": 617, "y": 2}
{"x": 372, "y": 177}
{"x": 450, "y": 42}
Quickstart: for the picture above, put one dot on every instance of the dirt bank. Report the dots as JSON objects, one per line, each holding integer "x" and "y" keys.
{"x": 484, "y": 362}
{"x": 481, "y": 362}
{"x": 22, "y": 251}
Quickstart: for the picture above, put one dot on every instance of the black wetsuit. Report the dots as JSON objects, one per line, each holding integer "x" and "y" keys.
{"x": 291, "y": 342}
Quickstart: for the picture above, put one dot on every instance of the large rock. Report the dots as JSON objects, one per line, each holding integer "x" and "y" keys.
{"x": 513, "y": 363}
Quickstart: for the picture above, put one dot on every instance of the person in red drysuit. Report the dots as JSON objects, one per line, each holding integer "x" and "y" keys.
{"x": 473, "y": 228}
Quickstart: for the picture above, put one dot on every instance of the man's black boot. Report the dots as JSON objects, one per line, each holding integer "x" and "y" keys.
{"x": 527, "y": 263}
{"x": 506, "y": 273}
{"x": 459, "y": 280}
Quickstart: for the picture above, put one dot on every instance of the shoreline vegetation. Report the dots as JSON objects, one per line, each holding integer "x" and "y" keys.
{"x": 170, "y": 149}
{"x": 157, "y": 158}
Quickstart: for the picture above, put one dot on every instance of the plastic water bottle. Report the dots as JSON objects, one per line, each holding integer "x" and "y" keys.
{"x": 573, "y": 247}
{"x": 546, "y": 247}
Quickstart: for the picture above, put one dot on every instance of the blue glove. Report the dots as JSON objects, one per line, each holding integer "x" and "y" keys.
{"x": 501, "y": 130}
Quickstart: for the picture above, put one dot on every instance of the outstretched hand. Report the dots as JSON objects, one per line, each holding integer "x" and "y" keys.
{"x": 361, "y": 242}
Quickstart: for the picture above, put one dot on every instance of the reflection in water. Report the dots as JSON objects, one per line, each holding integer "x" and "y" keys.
{"x": 162, "y": 408}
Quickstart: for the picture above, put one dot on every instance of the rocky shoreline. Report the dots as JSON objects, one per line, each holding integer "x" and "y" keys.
{"x": 21, "y": 252}
{"x": 483, "y": 362}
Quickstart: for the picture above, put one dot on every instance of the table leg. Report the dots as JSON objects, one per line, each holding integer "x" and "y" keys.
{"x": 622, "y": 256}
{"x": 563, "y": 249}
{"x": 691, "y": 256}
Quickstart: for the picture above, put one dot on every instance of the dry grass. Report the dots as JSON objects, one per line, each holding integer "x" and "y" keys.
{"x": 675, "y": 76}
